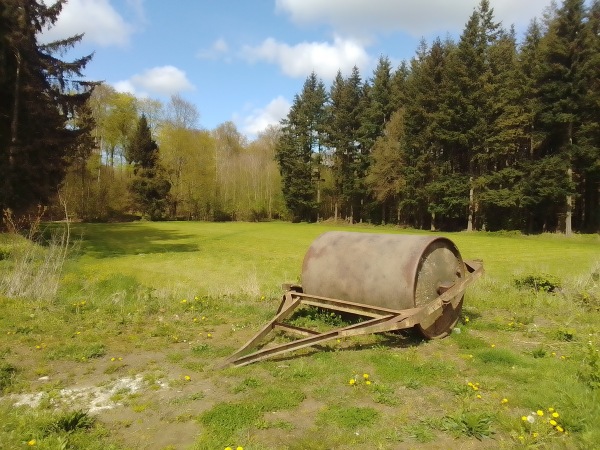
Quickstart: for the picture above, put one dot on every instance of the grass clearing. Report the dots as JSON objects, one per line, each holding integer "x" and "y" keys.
{"x": 166, "y": 302}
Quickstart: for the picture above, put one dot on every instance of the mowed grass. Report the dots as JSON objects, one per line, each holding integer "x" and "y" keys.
{"x": 169, "y": 301}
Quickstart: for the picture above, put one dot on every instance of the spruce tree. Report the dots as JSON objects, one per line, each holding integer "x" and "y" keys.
{"x": 41, "y": 94}
{"x": 149, "y": 186}
{"x": 299, "y": 150}
{"x": 587, "y": 212}
{"x": 560, "y": 99}
{"x": 343, "y": 125}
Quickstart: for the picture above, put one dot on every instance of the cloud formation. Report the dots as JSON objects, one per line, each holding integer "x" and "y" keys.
{"x": 260, "y": 118}
{"x": 416, "y": 18}
{"x": 99, "y": 21}
{"x": 218, "y": 49}
{"x": 165, "y": 80}
{"x": 301, "y": 59}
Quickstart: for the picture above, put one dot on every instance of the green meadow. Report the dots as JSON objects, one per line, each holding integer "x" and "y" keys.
{"x": 117, "y": 344}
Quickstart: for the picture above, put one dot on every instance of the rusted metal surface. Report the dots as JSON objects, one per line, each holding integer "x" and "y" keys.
{"x": 388, "y": 270}
{"x": 394, "y": 281}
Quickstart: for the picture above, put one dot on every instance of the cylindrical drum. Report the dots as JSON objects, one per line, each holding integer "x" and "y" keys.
{"x": 392, "y": 271}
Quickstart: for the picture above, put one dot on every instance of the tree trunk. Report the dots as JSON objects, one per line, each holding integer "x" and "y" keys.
{"x": 14, "y": 124}
{"x": 471, "y": 206}
{"x": 568, "y": 218}
{"x": 432, "y": 227}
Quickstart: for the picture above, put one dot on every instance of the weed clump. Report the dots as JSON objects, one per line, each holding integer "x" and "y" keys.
{"x": 7, "y": 375}
{"x": 589, "y": 372}
{"x": 542, "y": 282}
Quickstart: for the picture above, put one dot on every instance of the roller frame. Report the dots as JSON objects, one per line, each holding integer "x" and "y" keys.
{"x": 379, "y": 319}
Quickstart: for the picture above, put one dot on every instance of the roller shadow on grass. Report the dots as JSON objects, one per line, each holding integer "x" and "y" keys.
{"x": 109, "y": 240}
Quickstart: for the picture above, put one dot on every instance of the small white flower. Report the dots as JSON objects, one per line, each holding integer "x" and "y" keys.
{"x": 531, "y": 418}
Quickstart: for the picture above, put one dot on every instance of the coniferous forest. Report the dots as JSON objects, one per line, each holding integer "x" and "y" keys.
{"x": 487, "y": 131}
{"x": 480, "y": 133}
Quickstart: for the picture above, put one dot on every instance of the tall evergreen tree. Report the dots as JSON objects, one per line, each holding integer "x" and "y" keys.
{"x": 587, "y": 210}
{"x": 343, "y": 125}
{"x": 560, "y": 95}
{"x": 299, "y": 149}
{"x": 149, "y": 186}
{"x": 40, "y": 95}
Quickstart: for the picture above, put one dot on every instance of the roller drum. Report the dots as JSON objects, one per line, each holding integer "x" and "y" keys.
{"x": 392, "y": 271}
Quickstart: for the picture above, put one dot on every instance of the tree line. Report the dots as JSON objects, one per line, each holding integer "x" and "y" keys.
{"x": 103, "y": 155}
{"x": 152, "y": 160}
{"x": 482, "y": 132}
{"x": 479, "y": 133}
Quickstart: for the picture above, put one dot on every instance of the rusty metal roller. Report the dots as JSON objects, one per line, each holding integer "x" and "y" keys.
{"x": 392, "y": 271}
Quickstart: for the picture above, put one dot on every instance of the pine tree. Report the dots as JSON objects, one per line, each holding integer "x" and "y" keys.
{"x": 149, "y": 186}
{"x": 40, "y": 96}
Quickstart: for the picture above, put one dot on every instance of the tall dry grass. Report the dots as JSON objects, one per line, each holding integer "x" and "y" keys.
{"x": 34, "y": 264}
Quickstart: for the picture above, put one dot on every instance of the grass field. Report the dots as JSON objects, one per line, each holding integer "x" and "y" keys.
{"x": 122, "y": 350}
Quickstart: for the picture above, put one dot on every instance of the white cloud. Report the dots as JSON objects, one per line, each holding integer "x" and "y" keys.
{"x": 217, "y": 49}
{"x": 259, "y": 119}
{"x": 417, "y": 17}
{"x": 301, "y": 59}
{"x": 165, "y": 80}
{"x": 99, "y": 21}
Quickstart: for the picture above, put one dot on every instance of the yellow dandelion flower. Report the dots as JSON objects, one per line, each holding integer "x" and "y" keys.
{"x": 521, "y": 438}
{"x": 239, "y": 448}
{"x": 524, "y": 418}
{"x": 195, "y": 319}
{"x": 493, "y": 345}
{"x": 196, "y": 298}
{"x": 553, "y": 353}
{"x": 478, "y": 396}
{"x": 184, "y": 301}
{"x": 112, "y": 359}
{"x": 559, "y": 428}
{"x": 562, "y": 357}
{"x": 504, "y": 401}
{"x": 351, "y": 381}
{"x": 338, "y": 341}
{"x": 540, "y": 412}
{"x": 32, "y": 442}
{"x": 535, "y": 434}
{"x": 120, "y": 359}
{"x": 187, "y": 378}
{"x": 367, "y": 382}
{"x": 203, "y": 317}
{"x": 263, "y": 297}
{"x": 208, "y": 335}
{"x": 466, "y": 320}
{"x": 470, "y": 384}
{"x": 228, "y": 448}
{"x": 366, "y": 376}
{"x": 475, "y": 388}
{"x": 555, "y": 414}
{"x": 553, "y": 422}
{"x": 551, "y": 409}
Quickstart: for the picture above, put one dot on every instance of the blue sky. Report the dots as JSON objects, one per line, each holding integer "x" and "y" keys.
{"x": 244, "y": 60}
